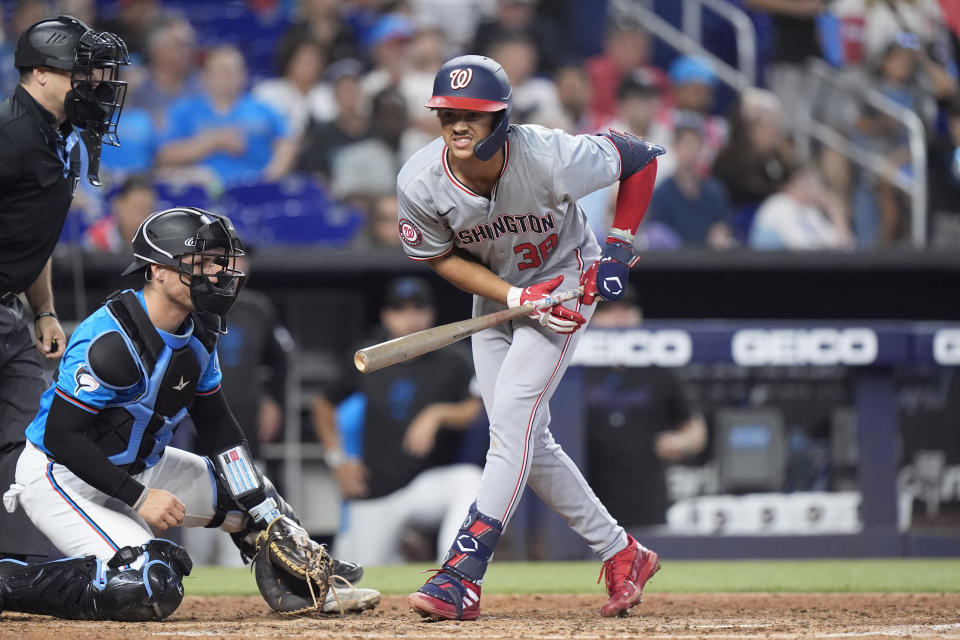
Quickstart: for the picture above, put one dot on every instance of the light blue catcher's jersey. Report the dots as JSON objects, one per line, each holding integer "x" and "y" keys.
{"x": 79, "y": 385}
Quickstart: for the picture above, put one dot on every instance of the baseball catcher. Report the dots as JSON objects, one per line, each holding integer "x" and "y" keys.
{"x": 98, "y": 479}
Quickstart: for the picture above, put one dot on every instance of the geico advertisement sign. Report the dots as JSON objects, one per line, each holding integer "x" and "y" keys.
{"x": 634, "y": 348}
{"x": 946, "y": 347}
{"x": 762, "y": 347}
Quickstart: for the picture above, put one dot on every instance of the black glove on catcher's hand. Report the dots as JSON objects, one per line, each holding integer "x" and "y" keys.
{"x": 293, "y": 572}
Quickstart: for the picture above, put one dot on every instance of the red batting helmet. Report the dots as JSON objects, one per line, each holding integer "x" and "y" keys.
{"x": 475, "y": 83}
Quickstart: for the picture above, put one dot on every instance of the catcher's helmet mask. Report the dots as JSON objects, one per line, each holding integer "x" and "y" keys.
{"x": 93, "y": 58}
{"x": 476, "y": 83}
{"x": 169, "y": 237}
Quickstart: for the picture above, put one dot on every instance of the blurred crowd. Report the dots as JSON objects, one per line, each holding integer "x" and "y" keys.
{"x": 317, "y": 103}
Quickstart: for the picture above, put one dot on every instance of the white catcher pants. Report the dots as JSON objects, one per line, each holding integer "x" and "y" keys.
{"x": 80, "y": 520}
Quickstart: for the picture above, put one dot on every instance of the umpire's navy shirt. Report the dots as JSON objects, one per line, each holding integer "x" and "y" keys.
{"x": 39, "y": 165}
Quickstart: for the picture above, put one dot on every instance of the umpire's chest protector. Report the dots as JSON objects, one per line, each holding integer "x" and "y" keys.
{"x": 133, "y": 434}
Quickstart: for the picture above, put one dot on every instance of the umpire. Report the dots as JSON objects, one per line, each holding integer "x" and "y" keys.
{"x": 69, "y": 92}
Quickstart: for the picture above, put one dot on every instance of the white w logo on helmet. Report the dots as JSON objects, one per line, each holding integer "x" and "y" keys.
{"x": 460, "y": 78}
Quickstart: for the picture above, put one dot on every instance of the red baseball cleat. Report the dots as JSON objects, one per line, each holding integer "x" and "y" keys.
{"x": 447, "y": 597}
{"x": 627, "y": 573}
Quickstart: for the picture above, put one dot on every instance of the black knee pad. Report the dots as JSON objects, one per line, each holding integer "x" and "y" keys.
{"x": 152, "y": 592}
{"x": 171, "y": 553}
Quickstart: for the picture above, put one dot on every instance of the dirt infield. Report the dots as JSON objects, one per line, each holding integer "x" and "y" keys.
{"x": 663, "y": 615}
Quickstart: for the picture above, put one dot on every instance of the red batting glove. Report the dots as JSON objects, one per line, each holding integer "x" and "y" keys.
{"x": 589, "y": 281}
{"x": 534, "y": 293}
{"x": 558, "y": 318}
{"x": 563, "y": 320}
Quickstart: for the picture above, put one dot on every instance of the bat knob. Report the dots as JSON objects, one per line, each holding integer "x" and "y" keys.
{"x": 360, "y": 361}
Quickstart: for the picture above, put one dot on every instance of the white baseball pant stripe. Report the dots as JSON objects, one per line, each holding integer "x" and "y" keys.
{"x": 81, "y": 520}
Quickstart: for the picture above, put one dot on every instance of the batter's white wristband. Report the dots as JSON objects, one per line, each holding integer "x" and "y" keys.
{"x": 623, "y": 235}
{"x": 513, "y": 297}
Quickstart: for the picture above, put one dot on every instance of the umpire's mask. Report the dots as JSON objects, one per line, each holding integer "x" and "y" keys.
{"x": 96, "y": 96}
{"x": 93, "y": 59}
{"x": 95, "y": 99}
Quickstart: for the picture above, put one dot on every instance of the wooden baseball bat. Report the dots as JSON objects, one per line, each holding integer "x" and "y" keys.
{"x": 416, "y": 344}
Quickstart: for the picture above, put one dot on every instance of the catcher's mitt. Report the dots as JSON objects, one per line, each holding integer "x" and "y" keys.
{"x": 293, "y": 572}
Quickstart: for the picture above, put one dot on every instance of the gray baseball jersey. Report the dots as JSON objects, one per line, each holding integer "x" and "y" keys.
{"x": 530, "y": 230}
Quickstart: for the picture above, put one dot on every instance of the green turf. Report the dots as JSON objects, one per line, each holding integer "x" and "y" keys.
{"x": 883, "y": 575}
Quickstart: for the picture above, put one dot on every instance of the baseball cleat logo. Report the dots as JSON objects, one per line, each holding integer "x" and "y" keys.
{"x": 410, "y": 233}
{"x": 467, "y": 544}
{"x": 460, "y": 78}
{"x": 85, "y": 381}
{"x": 612, "y": 285}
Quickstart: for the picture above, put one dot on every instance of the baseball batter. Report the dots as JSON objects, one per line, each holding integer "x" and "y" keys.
{"x": 492, "y": 207}
{"x": 97, "y": 477}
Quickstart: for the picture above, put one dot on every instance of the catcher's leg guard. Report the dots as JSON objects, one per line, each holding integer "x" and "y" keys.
{"x": 454, "y": 592}
{"x": 87, "y": 589}
{"x": 64, "y": 588}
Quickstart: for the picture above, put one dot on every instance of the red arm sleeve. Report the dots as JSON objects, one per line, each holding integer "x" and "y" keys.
{"x": 633, "y": 200}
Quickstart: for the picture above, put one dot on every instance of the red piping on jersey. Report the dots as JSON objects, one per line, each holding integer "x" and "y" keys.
{"x": 580, "y": 267}
{"x": 74, "y": 401}
{"x": 526, "y": 443}
{"x": 432, "y": 257}
{"x": 208, "y": 393}
{"x": 463, "y": 187}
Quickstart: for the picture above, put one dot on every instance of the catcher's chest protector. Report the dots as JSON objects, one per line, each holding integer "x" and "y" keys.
{"x": 134, "y": 434}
